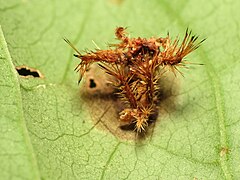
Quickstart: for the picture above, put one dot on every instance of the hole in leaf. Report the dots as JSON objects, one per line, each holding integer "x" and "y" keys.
{"x": 27, "y": 72}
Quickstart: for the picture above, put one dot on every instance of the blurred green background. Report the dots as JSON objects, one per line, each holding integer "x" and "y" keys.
{"x": 47, "y": 129}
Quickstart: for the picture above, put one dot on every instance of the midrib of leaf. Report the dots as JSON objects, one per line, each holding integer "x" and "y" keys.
{"x": 217, "y": 91}
{"x": 18, "y": 99}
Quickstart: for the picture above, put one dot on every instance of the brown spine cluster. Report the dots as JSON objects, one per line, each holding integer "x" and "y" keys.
{"x": 135, "y": 63}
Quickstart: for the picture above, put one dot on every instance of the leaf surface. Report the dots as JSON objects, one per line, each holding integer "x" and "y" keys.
{"x": 49, "y": 131}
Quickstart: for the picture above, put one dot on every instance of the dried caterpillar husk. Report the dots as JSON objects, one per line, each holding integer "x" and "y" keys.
{"x": 134, "y": 64}
{"x": 97, "y": 83}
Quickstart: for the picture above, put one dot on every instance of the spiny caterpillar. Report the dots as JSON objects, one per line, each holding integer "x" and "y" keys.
{"x": 135, "y": 64}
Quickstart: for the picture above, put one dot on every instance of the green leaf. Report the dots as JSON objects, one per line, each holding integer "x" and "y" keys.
{"x": 17, "y": 154}
{"x": 49, "y": 131}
